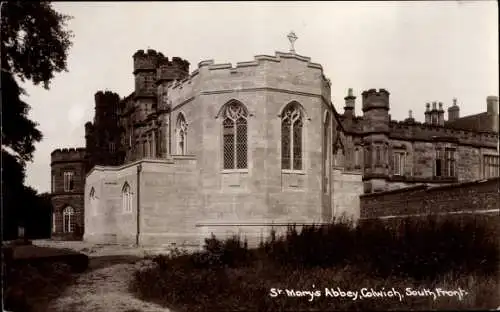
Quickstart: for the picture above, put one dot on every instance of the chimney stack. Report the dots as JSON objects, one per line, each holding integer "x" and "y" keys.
{"x": 427, "y": 113}
{"x": 441, "y": 114}
{"x": 453, "y": 111}
{"x": 434, "y": 114}
{"x": 492, "y": 109}
{"x": 350, "y": 104}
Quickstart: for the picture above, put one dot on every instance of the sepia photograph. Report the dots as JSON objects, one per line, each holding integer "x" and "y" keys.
{"x": 250, "y": 156}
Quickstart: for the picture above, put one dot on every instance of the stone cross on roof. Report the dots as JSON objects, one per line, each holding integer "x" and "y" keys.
{"x": 292, "y": 37}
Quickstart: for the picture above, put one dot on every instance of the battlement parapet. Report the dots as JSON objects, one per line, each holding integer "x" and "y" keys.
{"x": 89, "y": 128}
{"x": 106, "y": 98}
{"x": 375, "y": 99}
{"x": 68, "y": 154}
{"x": 423, "y": 131}
{"x": 177, "y": 68}
{"x": 259, "y": 59}
{"x": 236, "y": 76}
{"x": 146, "y": 61}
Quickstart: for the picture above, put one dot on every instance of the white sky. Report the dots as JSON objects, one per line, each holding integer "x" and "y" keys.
{"x": 418, "y": 51}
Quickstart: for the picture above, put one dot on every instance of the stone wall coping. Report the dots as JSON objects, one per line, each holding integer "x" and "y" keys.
{"x": 428, "y": 188}
{"x": 483, "y": 211}
{"x": 168, "y": 161}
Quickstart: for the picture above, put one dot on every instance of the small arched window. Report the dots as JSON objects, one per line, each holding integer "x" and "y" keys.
{"x": 68, "y": 219}
{"x": 93, "y": 201}
{"x": 54, "y": 223}
{"x": 291, "y": 137}
{"x": 181, "y": 131}
{"x": 339, "y": 157}
{"x": 126, "y": 198}
{"x": 357, "y": 157}
{"x": 234, "y": 136}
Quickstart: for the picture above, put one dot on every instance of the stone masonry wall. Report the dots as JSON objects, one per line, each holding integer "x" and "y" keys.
{"x": 347, "y": 187}
{"x": 478, "y": 196}
{"x": 105, "y": 220}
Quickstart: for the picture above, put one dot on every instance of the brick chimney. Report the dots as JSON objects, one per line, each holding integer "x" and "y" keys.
{"x": 410, "y": 118}
{"x": 440, "y": 114}
{"x": 453, "y": 111}
{"x": 350, "y": 104}
{"x": 427, "y": 113}
{"x": 434, "y": 114}
{"x": 492, "y": 109}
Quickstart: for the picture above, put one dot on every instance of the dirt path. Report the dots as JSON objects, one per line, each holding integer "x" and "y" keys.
{"x": 103, "y": 288}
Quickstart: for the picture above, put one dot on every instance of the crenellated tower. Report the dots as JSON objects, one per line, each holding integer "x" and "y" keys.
{"x": 168, "y": 71}
{"x": 103, "y": 136}
{"x": 152, "y": 71}
{"x": 376, "y": 139}
{"x": 68, "y": 169}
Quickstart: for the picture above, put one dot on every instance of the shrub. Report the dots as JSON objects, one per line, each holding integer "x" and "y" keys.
{"x": 418, "y": 252}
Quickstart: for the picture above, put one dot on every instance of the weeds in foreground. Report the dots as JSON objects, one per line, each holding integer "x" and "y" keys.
{"x": 29, "y": 288}
{"x": 447, "y": 253}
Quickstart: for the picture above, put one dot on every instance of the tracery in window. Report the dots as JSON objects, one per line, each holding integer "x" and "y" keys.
{"x": 234, "y": 136}
{"x": 291, "y": 137}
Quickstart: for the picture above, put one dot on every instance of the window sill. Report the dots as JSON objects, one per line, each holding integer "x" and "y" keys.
{"x": 229, "y": 171}
{"x": 287, "y": 171}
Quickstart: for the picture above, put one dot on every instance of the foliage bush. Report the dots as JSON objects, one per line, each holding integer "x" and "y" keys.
{"x": 451, "y": 252}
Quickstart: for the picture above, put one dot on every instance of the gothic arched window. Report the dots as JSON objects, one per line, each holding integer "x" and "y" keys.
{"x": 234, "y": 133}
{"x": 68, "y": 219}
{"x": 357, "y": 157}
{"x": 181, "y": 131}
{"x": 326, "y": 144}
{"x": 126, "y": 198}
{"x": 54, "y": 223}
{"x": 291, "y": 137}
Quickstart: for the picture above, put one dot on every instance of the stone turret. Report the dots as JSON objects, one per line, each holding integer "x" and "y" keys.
{"x": 168, "y": 71}
{"x": 376, "y": 139}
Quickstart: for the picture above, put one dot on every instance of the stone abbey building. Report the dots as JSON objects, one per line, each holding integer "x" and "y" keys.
{"x": 240, "y": 149}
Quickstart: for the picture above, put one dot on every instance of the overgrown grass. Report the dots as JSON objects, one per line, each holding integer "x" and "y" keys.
{"x": 448, "y": 253}
{"x": 30, "y": 288}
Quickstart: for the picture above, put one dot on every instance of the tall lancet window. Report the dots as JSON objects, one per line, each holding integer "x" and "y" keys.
{"x": 68, "y": 219}
{"x": 126, "y": 198}
{"x": 181, "y": 130}
{"x": 291, "y": 137}
{"x": 93, "y": 201}
{"x": 234, "y": 132}
{"x": 326, "y": 154}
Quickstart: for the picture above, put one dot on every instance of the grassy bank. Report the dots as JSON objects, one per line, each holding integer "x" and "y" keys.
{"x": 30, "y": 288}
{"x": 456, "y": 253}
